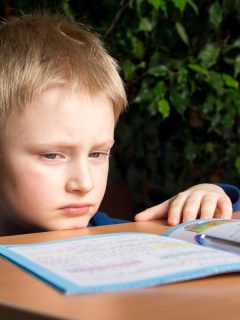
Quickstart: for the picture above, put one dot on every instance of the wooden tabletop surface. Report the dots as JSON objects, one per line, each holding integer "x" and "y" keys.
{"x": 23, "y": 296}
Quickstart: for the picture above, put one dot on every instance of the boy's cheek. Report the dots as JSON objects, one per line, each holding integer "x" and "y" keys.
{"x": 31, "y": 193}
{"x": 23, "y": 190}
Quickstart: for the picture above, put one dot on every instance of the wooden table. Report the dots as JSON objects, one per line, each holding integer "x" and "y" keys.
{"x": 22, "y": 296}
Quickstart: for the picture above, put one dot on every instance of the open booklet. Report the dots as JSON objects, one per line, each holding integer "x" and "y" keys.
{"x": 119, "y": 261}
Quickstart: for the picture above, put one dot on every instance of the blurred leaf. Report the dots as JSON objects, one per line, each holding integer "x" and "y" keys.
{"x": 146, "y": 25}
{"x": 237, "y": 164}
{"x": 141, "y": 65}
{"x": 164, "y": 108}
{"x": 209, "y": 55}
{"x": 158, "y": 4}
{"x": 216, "y": 81}
{"x": 158, "y": 71}
{"x": 182, "y": 33}
{"x": 180, "y": 4}
{"x": 215, "y": 14}
{"x": 230, "y": 81}
{"x": 67, "y": 10}
{"x": 182, "y": 75}
{"x": 179, "y": 99}
{"x": 138, "y": 48}
{"x": 234, "y": 45}
{"x": 160, "y": 89}
{"x": 209, "y": 147}
{"x": 144, "y": 95}
{"x": 219, "y": 105}
{"x": 237, "y": 66}
{"x": 210, "y": 105}
{"x": 227, "y": 121}
{"x": 129, "y": 69}
{"x": 234, "y": 97}
{"x": 230, "y": 52}
{"x": 190, "y": 151}
{"x": 138, "y": 6}
{"x": 194, "y": 6}
{"x": 198, "y": 69}
{"x": 215, "y": 120}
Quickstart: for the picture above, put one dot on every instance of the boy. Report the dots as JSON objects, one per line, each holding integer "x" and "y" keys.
{"x": 60, "y": 98}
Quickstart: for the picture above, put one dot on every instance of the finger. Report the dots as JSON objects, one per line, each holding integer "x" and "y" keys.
{"x": 157, "y": 212}
{"x": 191, "y": 207}
{"x": 208, "y": 207}
{"x": 224, "y": 207}
{"x": 175, "y": 209}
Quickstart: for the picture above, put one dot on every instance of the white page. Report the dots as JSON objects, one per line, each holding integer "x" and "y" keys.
{"x": 123, "y": 258}
{"x": 228, "y": 231}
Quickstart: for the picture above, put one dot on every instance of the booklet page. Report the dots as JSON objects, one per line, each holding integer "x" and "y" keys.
{"x": 226, "y": 231}
{"x": 119, "y": 261}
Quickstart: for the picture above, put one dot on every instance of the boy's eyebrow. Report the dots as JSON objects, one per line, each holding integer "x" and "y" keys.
{"x": 105, "y": 143}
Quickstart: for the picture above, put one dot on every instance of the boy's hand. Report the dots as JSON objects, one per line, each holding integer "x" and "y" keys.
{"x": 203, "y": 201}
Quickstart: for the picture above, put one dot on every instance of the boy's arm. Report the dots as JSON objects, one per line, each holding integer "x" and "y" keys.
{"x": 203, "y": 200}
{"x": 102, "y": 219}
{"x": 233, "y": 193}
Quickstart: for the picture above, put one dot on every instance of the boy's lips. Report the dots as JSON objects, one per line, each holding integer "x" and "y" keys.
{"x": 76, "y": 209}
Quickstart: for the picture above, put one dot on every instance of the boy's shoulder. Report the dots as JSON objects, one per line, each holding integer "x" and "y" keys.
{"x": 101, "y": 219}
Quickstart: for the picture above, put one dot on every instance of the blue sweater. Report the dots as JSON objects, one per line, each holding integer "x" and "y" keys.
{"x": 100, "y": 218}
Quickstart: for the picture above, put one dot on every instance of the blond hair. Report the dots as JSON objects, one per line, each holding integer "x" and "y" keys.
{"x": 41, "y": 50}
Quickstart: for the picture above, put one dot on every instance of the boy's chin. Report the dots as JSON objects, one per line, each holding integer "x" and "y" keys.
{"x": 67, "y": 224}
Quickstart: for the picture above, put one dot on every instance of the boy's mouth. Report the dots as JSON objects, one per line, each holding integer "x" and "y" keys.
{"x": 76, "y": 209}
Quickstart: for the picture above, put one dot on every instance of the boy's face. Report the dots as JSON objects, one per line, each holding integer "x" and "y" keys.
{"x": 55, "y": 160}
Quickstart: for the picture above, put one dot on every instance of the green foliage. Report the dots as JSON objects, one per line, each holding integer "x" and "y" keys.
{"x": 183, "y": 93}
{"x": 180, "y": 60}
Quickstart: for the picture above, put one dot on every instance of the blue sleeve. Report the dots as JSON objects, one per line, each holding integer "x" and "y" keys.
{"x": 233, "y": 193}
{"x": 101, "y": 219}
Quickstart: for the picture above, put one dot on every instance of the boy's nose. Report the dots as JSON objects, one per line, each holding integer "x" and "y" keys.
{"x": 80, "y": 179}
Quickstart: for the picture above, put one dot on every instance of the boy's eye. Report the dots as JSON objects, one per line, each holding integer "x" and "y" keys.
{"x": 50, "y": 156}
{"x": 99, "y": 155}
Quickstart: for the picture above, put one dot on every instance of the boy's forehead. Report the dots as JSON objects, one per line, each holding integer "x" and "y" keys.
{"x": 63, "y": 113}
{"x": 60, "y": 94}
{"x": 55, "y": 97}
